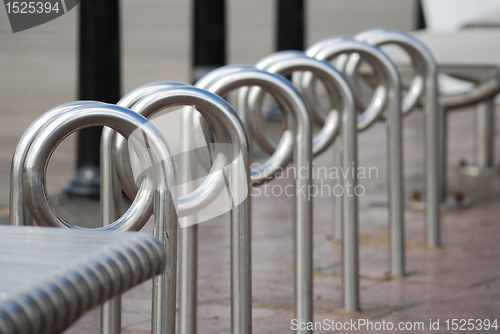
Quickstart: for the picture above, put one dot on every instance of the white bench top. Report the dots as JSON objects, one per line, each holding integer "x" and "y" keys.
{"x": 489, "y": 20}
{"x": 471, "y": 54}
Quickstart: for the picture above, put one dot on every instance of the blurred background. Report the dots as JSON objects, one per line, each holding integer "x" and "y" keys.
{"x": 39, "y": 66}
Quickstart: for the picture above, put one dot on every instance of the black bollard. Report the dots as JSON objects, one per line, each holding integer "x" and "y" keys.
{"x": 99, "y": 80}
{"x": 290, "y": 30}
{"x": 419, "y": 17}
{"x": 208, "y": 46}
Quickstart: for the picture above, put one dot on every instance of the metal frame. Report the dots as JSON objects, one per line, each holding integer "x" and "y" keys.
{"x": 482, "y": 96}
{"x": 290, "y": 62}
{"x": 126, "y": 122}
{"x": 329, "y": 49}
{"x": 111, "y": 194}
{"x": 228, "y": 128}
{"x": 221, "y": 81}
{"x": 19, "y": 213}
{"x": 51, "y": 276}
{"x": 423, "y": 84}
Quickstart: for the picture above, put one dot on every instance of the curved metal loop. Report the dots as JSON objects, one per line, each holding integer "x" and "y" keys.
{"x": 298, "y": 122}
{"x": 228, "y": 78}
{"x": 379, "y": 99}
{"x": 122, "y": 159}
{"x": 417, "y": 52}
{"x": 19, "y": 215}
{"x": 112, "y": 162}
{"x": 227, "y": 127}
{"x": 485, "y": 89}
{"x": 391, "y": 82}
{"x": 155, "y": 155}
{"x": 290, "y": 62}
{"x": 282, "y": 154}
{"x": 434, "y": 119}
{"x": 61, "y": 126}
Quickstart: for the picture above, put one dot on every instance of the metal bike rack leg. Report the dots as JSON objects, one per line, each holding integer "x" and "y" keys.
{"x": 484, "y": 163}
{"x": 110, "y": 211}
{"x": 161, "y": 175}
{"x": 289, "y": 62}
{"x": 228, "y": 128}
{"x": 188, "y": 237}
{"x": 485, "y": 91}
{"x": 21, "y": 215}
{"x": 337, "y": 201}
{"x": 111, "y": 194}
{"x": 226, "y": 79}
{"x": 428, "y": 70}
{"x": 327, "y": 50}
{"x": 338, "y": 90}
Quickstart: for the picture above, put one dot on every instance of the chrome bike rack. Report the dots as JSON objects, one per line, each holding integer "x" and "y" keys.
{"x": 389, "y": 97}
{"x": 149, "y": 99}
{"x": 482, "y": 96}
{"x": 221, "y": 81}
{"x": 19, "y": 213}
{"x": 290, "y": 62}
{"x": 42, "y": 138}
{"x": 111, "y": 195}
{"x": 424, "y": 84}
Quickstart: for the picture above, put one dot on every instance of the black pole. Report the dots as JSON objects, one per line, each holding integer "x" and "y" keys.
{"x": 290, "y": 33}
{"x": 420, "y": 17}
{"x": 208, "y": 46}
{"x": 99, "y": 80}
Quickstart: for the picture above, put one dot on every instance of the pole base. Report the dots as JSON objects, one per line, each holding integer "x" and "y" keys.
{"x": 84, "y": 182}
{"x": 449, "y": 203}
{"x": 471, "y": 170}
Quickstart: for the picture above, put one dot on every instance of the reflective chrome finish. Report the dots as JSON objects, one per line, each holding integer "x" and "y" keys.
{"x": 425, "y": 84}
{"x": 19, "y": 215}
{"x": 327, "y": 50}
{"x": 369, "y": 114}
{"x": 50, "y": 277}
{"x": 228, "y": 128}
{"x": 338, "y": 89}
{"x": 162, "y": 174}
{"x": 229, "y": 78}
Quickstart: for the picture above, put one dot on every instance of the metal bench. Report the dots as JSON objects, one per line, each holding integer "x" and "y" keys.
{"x": 49, "y": 277}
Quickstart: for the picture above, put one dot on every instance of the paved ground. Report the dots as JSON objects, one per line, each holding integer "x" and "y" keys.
{"x": 459, "y": 281}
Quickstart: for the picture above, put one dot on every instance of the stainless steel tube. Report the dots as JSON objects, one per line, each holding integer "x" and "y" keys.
{"x": 228, "y": 78}
{"x": 188, "y": 261}
{"x": 427, "y": 69}
{"x": 111, "y": 194}
{"x": 485, "y": 89}
{"x": 485, "y": 134}
{"x": 347, "y": 150}
{"x": 485, "y": 138}
{"x": 328, "y": 50}
{"x": 228, "y": 129}
{"x": 161, "y": 175}
{"x": 19, "y": 215}
{"x": 338, "y": 88}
